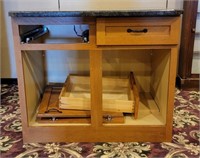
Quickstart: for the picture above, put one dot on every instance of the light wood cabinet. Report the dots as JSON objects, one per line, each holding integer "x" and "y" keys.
{"x": 152, "y": 61}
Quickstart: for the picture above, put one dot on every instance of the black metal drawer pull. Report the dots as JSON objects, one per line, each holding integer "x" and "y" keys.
{"x": 137, "y": 31}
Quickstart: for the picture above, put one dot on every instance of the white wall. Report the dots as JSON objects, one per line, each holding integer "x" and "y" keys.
{"x": 196, "y": 56}
{"x": 8, "y": 68}
{"x": 111, "y": 4}
{"x": 175, "y": 4}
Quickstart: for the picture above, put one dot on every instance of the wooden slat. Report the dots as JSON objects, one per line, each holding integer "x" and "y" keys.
{"x": 114, "y": 119}
{"x": 45, "y": 100}
{"x": 43, "y": 46}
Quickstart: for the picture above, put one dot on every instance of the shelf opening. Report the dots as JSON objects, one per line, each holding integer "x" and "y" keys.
{"x": 54, "y": 34}
{"x": 146, "y": 104}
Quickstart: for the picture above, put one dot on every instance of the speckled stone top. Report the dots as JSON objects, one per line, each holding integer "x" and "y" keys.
{"x": 110, "y": 13}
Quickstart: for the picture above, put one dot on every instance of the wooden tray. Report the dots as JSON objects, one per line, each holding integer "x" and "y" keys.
{"x": 49, "y": 111}
{"x": 119, "y": 95}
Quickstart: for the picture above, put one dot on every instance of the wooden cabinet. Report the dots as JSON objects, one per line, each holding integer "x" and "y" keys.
{"x": 186, "y": 78}
{"x": 153, "y": 63}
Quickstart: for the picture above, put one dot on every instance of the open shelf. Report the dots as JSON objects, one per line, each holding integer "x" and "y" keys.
{"x": 54, "y": 34}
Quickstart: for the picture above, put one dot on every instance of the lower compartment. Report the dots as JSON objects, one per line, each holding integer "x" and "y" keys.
{"x": 152, "y": 73}
{"x": 51, "y": 115}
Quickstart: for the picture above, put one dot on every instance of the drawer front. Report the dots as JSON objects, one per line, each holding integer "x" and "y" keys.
{"x": 138, "y": 31}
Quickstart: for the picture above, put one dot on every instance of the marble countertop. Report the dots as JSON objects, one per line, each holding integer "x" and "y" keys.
{"x": 104, "y": 13}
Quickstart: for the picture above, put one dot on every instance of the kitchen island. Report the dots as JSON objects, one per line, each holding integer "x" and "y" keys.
{"x": 115, "y": 43}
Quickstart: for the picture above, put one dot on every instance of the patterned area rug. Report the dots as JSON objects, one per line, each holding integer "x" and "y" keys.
{"x": 185, "y": 143}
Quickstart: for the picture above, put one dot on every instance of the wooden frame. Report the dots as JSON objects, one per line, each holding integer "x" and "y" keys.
{"x": 185, "y": 79}
{"x": 161, "y": 81}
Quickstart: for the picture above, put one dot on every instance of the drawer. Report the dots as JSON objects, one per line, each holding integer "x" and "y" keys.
{"x": 117, "y": 97}
{"x": 138, "y": 31}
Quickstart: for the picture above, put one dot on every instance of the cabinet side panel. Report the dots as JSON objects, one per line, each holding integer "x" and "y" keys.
{"x": 34, "y": 80}
{"x": 159, "y": 80}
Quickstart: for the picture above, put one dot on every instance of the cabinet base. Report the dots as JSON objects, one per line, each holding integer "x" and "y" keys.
{"x": 92, "y": 134}
{"x": 188, "y": 83}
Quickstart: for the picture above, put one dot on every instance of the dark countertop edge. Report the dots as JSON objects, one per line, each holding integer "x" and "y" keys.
{"x": 104, "y": 13}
